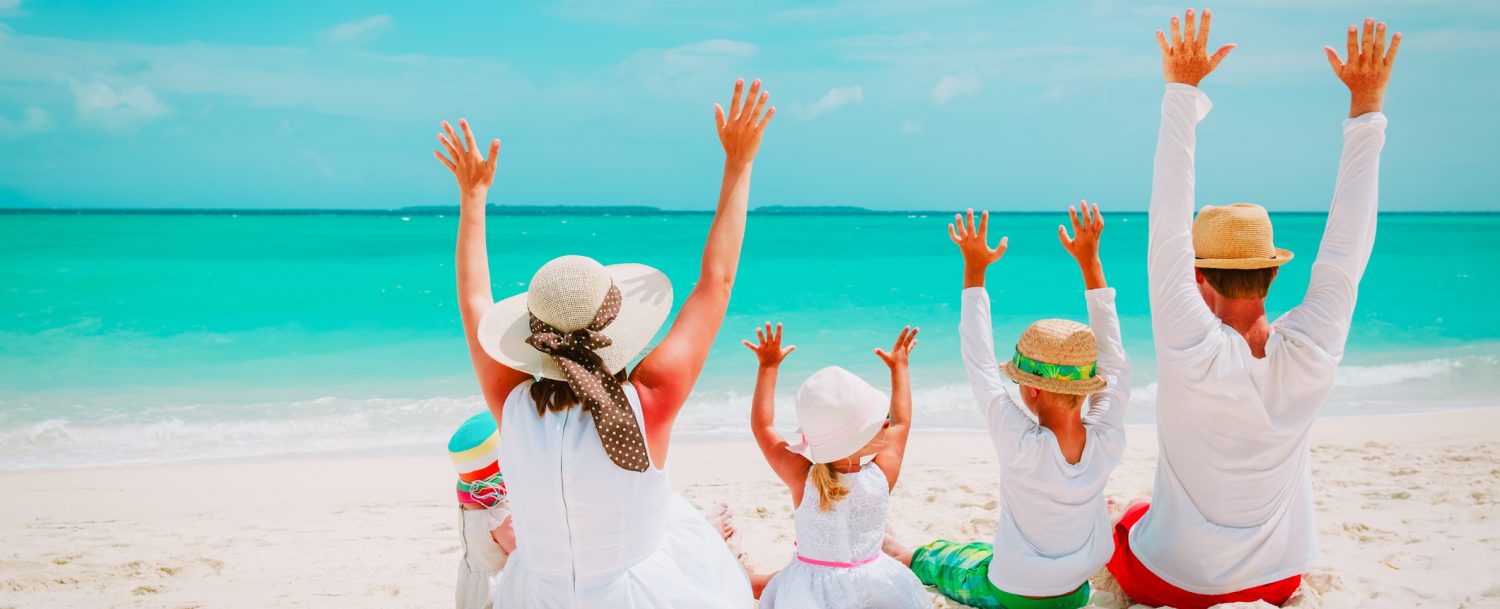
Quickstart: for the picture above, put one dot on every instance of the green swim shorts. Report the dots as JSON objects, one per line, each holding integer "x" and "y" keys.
{"x": 961, "y": 572}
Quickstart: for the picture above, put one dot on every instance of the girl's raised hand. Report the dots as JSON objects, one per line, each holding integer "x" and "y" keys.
{"x": 740, "y": 128}
{"x": 899, "y": 354}
{"x": 769, "y": 350}
{"x": 474, "y": 173}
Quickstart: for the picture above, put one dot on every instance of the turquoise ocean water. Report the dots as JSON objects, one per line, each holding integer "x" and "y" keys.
{"x": 132, "y": 338}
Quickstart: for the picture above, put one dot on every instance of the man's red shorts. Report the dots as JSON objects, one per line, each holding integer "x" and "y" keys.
{"x": 1144, "y": 587}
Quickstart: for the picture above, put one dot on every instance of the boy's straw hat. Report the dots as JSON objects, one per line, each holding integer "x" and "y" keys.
{"x": 1056, "y": 355}
{"x": 566, "y": 293}
{"x": 1235, "y": 236}
{"x": 838, "y": 413}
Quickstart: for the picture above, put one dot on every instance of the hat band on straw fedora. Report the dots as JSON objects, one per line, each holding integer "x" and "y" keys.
{"x": 1057, "y": 372}
{"x": 598, "y": 389}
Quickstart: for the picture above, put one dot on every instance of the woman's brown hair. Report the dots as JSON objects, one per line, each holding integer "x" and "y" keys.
{"x": 557, "y": 396}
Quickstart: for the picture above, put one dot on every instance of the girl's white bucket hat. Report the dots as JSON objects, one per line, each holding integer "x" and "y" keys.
{"x": 566, "y": 293}
{"x": 838, "y": 413}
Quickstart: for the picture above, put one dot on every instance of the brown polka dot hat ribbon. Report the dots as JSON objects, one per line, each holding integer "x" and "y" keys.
{"x": 599, "y": 390}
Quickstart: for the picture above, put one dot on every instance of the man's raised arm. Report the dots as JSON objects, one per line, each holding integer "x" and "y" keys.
{"x": 1326, "y": 312}
{"x": 1179, "y": 317}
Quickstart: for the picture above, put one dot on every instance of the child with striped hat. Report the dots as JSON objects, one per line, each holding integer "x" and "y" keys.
{"x": 488, "y": 536}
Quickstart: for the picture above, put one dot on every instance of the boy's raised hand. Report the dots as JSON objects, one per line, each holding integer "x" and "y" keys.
{"x": 769, "y": 350}
{"x": 1084, "y": 244}
{"x": 899, "y": 354}
{"x": 972, "y": 240}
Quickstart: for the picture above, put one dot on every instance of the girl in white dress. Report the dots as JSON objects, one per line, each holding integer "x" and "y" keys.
{"x": 850, "y": 445}
{"x": 584, "y": 444}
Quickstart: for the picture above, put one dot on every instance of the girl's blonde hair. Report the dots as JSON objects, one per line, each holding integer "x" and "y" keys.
{"x": 830, "y": 488}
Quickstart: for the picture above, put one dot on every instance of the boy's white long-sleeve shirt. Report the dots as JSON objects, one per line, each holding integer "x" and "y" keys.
{"x": 1232, "y": 505}
{"x": 1054, "y": 529}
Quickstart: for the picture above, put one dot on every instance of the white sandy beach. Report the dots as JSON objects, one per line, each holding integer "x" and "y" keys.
{"x": 1409, "y": 516}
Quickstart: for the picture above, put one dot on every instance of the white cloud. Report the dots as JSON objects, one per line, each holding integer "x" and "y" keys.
{"x": 33, "y": 119}
{"x": 717, "y": 46}
{"x": 359, "y": 29}
{"x": 950, "y": 87}
{"x": 318, "y": 163}
{"x": 115, "y": 105}
{"x": 836, "y": 97}
{"x": 7, "y": 6}
{"x": 910, "y": 127}
{"x": 685, "y": 67}
{"x": 844, "y": 10}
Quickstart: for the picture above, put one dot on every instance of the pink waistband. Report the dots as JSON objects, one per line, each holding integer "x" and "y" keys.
{"x": 838, "y": 565}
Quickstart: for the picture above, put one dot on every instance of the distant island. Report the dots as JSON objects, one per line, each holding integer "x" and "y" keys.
{"x": 646, "y": 210}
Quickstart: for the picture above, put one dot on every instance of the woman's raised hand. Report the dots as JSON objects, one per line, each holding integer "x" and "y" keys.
{"x": 768, "y": 347}
{"x": 740, "y": 128}
{"x": 474, "y": 173}
{"x": 899, "y": 353}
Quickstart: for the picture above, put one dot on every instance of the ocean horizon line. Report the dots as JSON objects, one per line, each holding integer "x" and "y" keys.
{"x": 603, "y": 210}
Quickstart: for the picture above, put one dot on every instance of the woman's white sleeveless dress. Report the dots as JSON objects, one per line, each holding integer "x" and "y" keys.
{"x": 850, "y": 534}
{"x": 591, "y": 535}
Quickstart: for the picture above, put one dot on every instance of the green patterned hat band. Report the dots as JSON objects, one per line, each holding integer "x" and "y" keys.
{"x": 1054, "y": 371}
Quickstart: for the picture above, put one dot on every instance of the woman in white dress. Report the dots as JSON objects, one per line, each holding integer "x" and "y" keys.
{"x": 584, "y": 444}
{"x": 851, "y": 441}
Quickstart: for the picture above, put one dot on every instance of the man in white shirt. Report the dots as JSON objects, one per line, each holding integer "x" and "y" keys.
{"x": 1056, "y": 452}
{"x": 1231, "y": 518}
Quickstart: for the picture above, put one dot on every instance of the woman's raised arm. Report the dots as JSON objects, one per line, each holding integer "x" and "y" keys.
{"x": 666, "y": 376}
{"x": 475, "y": 174}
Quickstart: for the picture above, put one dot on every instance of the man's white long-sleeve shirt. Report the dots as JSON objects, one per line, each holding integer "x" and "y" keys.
{"x": 1054, "y": 529}
{"x": 1232, "y": 507}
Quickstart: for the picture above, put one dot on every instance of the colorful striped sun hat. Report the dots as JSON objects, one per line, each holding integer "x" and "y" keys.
{"x": 473, "y": 451}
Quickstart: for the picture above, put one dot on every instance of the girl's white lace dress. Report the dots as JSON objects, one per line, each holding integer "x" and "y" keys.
{"x": 839, "y": 564}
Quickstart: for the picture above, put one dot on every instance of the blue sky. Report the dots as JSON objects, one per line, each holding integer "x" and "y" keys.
{"x": 910, "y": 105}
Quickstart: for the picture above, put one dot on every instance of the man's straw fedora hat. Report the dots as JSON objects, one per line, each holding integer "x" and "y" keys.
{"x": 1056, "y": 355}
{"x": 566, "y": 293}
{"x": 1235, "y": 236}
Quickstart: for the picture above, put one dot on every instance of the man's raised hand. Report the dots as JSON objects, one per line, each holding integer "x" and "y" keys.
{"x": 741, "y": 127}
{"x": 1184, "y": 54}
{"x": 1368, "y": 68}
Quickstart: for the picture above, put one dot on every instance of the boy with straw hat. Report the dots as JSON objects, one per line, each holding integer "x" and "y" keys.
{"x": 1054, "y": 527}
{"x": 1231, "y": 518}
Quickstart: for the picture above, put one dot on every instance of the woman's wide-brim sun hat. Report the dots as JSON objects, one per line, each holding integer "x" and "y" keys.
{"x": 838, "y": 413}
{"x": 1056, "y": 355}
{"x": 1235, "y": 236}
{"x": 566, "y": 293}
